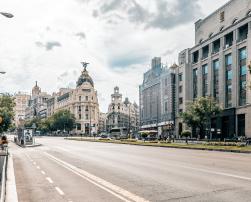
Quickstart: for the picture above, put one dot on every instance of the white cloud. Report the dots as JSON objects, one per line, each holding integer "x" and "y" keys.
{"x": 47, "y": 40}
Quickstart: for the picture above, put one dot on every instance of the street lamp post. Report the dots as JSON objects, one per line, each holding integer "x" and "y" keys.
{"x": 90, "y": 128}
{"x": 7, "y": 15}
{"x": 129, "y": 122}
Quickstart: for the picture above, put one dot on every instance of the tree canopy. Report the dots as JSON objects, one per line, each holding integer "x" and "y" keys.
{"x": 61, "y": 120}
{"x": 7, "y": 105}
{"x": 199, "y": 113}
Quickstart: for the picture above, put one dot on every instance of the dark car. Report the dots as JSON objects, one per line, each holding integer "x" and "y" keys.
{"x": 104, "y": 135}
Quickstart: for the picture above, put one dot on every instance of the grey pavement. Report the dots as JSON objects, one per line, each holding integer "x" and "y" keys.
{"x": 64, "y": 170}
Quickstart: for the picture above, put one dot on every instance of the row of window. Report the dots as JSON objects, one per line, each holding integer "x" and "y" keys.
{"x": 86, "y": 116}
{"x": 86, "y": 98}
{"x": 80, "y": 108}
{"x": 222, "y": 18}
{"x": 242, "y": 34}
{"x": 86, "y": 126}
{"x": 228, "y": 79}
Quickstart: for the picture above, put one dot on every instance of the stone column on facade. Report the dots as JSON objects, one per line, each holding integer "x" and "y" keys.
{"x": 248, "y": 122}
{"x": 222, "y": 73}
{"x": 199, "y": 78}
{"x": 210, "y": 73}
{"x": 249, "y": 63}
{"x": 235, "y": 75}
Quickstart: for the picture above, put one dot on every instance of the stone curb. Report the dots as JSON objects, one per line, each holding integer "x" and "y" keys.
{"x": 164, "y": 146}
{"x": 27, "y": 146}
{"x": 11, "y": 191}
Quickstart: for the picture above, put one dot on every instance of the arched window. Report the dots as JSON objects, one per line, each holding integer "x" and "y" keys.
{"x": 222, "y": 27}
{"x": 234, "y": 21}
{"x": 210, "y": 35}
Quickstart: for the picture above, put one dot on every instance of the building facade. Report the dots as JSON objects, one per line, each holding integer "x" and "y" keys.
{"x": 122, "y": 114}
{"x": 102, "y": 122}
{"x": 218, "y": 66}
{"x": 81, "y": 101}
{"x": 157, "y": 98}
{"x": 37, "y": 104}
{"x": 21, "y": 103}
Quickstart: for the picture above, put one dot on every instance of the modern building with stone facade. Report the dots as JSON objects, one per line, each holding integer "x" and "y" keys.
{"x": 81, "y": 101}
{"x": 219, "y": 66}
{"x": 21, "y": 103}
{"x": 157, "y": 98}
{"x": 122, "y": 114}
{"x": 37, "y": 104}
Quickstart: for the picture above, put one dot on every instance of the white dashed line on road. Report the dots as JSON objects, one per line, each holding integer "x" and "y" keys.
{"x": 49, "y": 180}
{"x": 34, "y": 163}
{"x": 59, "y": 191}
{"x": 43, "y": 172}
{"x": 115, "y": 190}
{"x": 38, "y": 167}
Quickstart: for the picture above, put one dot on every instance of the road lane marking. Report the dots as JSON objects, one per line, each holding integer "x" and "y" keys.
{"x": 115, "y": 190}
{"x": 34, "y": 163}
{"x": 43, "y": 172}
{"x": 218, "y": 173}
{"x": 38, "y": 167}
{"x": 59, "y": 191}
{"x": 49, "y": 179}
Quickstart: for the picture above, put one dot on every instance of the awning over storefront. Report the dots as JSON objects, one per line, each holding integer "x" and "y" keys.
{"x": 166, "y": 123}
{"x": 149, "y": 131}
{"x": 149, "y": 126}
{"x": 157, "y": 125}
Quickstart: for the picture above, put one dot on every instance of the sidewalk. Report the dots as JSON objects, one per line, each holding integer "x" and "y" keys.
{"x": 11, "y": 191}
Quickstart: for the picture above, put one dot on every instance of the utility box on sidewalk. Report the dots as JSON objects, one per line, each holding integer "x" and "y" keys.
{"x": 25, "y": 136}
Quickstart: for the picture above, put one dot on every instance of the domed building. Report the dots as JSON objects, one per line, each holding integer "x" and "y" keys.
{"x": 81, "y": 101}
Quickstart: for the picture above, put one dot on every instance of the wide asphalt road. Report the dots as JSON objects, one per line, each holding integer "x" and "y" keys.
{"x": 63, "y": 170}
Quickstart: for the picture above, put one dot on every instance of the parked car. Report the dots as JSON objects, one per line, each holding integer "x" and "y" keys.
{"x": 104, "y": 135}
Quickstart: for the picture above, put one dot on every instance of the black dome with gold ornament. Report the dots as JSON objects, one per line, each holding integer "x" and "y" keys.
{"x": 84, "y": 77}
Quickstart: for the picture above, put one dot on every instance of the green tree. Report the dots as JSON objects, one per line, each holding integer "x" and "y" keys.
{"x": 7, "y": 105}
{"x": 43, "y": 125}
{"x": 63, "y": 120}
{"x": 186, "y": 134}
{"x": 30, "y": 123}
{"x": 46, "y": 125}
{"x": 199, "y": 113}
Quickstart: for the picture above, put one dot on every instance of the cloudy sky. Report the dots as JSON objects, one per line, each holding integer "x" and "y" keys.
{"x": 47, "y": 40}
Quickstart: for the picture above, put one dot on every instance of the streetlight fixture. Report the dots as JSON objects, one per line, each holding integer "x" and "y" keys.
{"x": 2, "y": 72}
{"x": 7, "y": 15}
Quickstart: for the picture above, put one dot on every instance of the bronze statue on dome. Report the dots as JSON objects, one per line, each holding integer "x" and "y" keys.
{"x": 85, "y": 64}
